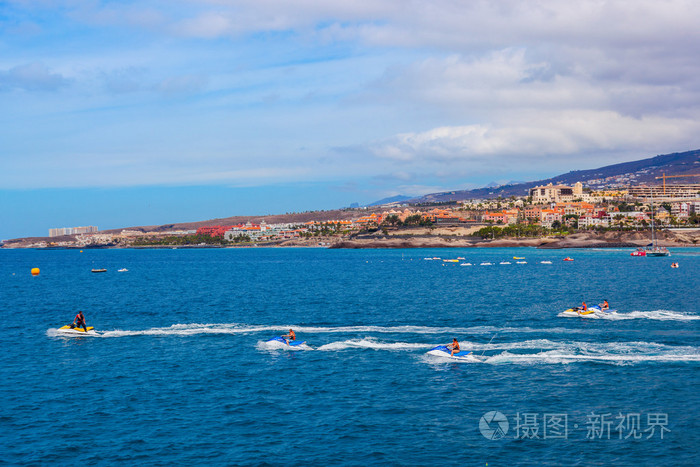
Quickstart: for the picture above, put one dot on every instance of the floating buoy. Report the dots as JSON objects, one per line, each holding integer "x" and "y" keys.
{"x": 35, "y": 271}
{"x": 81, "y": 251}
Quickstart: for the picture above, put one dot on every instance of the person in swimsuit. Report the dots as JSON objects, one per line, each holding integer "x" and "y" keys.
{"x": 290, "y": 337}
{"x": 454, "y": 347}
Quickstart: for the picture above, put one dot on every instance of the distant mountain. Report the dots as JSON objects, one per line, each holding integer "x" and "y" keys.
{"x": 643, "y": 171}
{"x": 391, "y": 200}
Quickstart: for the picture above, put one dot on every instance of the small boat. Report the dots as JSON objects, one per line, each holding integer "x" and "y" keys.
{"x": 450, "y": 260}
{"x": 486, "y": 264}
{"x": 123, "y": 270}
{"x": 568, "y": 259}
{"x": 521, "y": 262}
{"x": 504, "y": 262}
{"x": 657, "y": 251}
{"x": 466, "y": 264}
{"x": 98, "y": 270}
{"x": 639, "y": 252}
{"x": 545, "y": 262}
{"x": 653, "y": 249}
{"x": 518, "y": 257}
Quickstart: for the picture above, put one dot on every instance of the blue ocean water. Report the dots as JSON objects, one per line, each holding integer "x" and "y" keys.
{"x": 181, "y": 372}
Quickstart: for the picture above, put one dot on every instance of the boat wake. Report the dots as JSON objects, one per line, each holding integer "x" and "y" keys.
{"x": 504, "y": 350}
{"x": 368, "y": 343}
{"x": 544, "y": 351}
{"x": 277, "y": 345}
{"x": 236, "y": 328}
{"x": 557, "y": 356}
{"x": 659, "y": 315}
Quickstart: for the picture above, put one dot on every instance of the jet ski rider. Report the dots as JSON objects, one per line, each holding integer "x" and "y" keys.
{"x": 289, "y": 337}
{"x": 454, "y": 346}
{"x": 79, "y": 321}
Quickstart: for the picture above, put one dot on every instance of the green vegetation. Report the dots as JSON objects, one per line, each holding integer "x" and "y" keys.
{"x": 518, "y": 230}
{"x": 189, "y": 240}
{"x": 414, "y": 220}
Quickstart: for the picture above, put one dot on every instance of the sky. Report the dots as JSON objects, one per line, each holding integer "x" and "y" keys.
{"x": 125, "y": 113}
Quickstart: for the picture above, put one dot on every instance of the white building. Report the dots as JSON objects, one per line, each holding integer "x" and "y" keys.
{"x": 72, "y": 231}
{"x": 556, "y": 193}
{"x": 588, "y": 222}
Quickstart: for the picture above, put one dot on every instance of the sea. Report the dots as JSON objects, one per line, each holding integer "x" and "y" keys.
{"x": 180, "y": 370}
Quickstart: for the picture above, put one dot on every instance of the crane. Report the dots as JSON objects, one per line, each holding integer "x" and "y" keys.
{"x": 664, "y": 176}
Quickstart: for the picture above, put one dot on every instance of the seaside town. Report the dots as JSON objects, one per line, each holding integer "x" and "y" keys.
{"x": 547, "y": 210}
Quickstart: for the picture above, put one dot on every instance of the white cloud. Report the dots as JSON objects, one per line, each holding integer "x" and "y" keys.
{"x": 535, "y": 135}
{"x": 417, "y": 90}
{"x": 32, "y": 77}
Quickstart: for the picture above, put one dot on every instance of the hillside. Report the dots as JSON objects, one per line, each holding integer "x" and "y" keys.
{"x": 291, "y": 218}
{"x": 642, "y": 171}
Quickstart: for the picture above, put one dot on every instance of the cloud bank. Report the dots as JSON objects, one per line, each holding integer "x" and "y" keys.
{"x": 406, "y": 94}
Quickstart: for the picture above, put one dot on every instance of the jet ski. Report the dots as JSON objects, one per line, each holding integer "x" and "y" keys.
{"x": 77, "y": 331}
{"x": 577, "y": 312}
{"x": 286, "y": 342}
{"x": 443, "y": 351}
{"x": 592, "y": 312}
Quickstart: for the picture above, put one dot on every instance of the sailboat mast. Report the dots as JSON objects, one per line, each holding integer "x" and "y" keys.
{"x": 653, "y": 234}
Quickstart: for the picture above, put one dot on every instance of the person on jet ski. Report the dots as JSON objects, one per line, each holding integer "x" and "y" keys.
{"x": 454, "y": 346}
{"x": 79, "y": 321}
{"x": 580, "y": 309}
{"x": 604, "y": 305}
{"x": 289, "y": 337}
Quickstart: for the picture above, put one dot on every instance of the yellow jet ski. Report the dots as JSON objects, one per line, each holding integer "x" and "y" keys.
{"x": 77, "y": 331}
{"x": 577, "y": 312}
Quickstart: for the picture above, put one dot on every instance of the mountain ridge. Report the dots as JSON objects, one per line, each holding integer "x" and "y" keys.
{"x": 644, "y": 171}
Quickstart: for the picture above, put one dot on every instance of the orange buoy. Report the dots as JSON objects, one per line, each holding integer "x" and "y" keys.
{"x": 35, "y": 271}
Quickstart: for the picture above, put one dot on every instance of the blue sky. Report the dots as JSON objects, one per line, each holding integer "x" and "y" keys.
{"x": 129, "y": 113}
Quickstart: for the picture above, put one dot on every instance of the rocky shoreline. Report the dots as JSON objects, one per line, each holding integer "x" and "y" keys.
{"x": 579, "y": 240}
{"x": 611, "y": 239}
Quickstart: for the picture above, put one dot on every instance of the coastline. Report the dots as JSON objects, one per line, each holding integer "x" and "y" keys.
{"x": 399, "y": 239}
